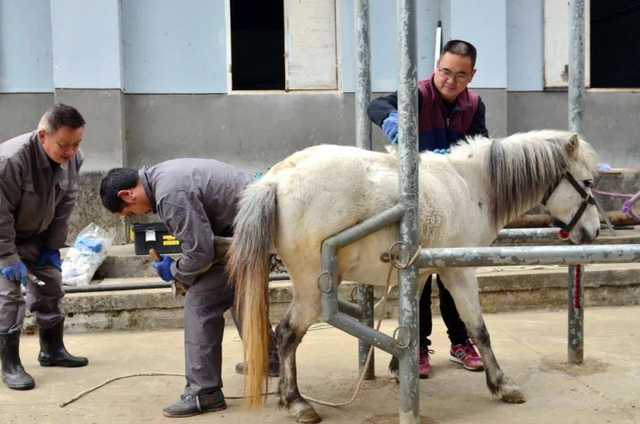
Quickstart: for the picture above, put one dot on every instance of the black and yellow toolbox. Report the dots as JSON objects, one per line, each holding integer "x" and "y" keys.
{"x": 153, "y": 236}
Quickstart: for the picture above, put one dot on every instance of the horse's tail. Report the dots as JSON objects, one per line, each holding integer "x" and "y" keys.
{"x": 248, "y": 267}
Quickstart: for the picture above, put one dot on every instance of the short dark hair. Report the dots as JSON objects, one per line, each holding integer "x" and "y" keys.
{"x": 60, "y": 115}
{"x": 117, "y": 179}
{"x": 461, "y": 48}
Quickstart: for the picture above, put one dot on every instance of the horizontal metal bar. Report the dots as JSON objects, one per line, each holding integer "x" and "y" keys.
{"x": 367, "y": 334}
{"x": 138, "y": 286}
{"x": 534, "y": 255}
{"x": 350, "y": 309}
{"x": 524, "y": 235}
{"x": 369, "y": 226}
{"x": 115, "y": 287}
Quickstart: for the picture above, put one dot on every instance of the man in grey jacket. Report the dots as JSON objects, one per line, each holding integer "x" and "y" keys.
{"x": 197, "y": 200}
{"x": 38, "y": 190}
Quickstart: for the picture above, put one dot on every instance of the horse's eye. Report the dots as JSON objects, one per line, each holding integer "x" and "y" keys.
{"x": 588, "y": 183}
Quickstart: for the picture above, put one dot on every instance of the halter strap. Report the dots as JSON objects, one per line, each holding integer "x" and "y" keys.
{"x": 587, "y": 199}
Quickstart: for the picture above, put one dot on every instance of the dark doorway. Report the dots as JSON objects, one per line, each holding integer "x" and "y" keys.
{"x": 615, "y": 45}
{"x": 257, "y": 44}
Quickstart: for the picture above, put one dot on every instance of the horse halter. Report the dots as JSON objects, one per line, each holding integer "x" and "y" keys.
{"x": 587, "y": 199}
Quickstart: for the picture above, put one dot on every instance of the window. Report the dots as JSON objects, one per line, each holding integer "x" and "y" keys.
{"x": 257, "y": 44}
{"x": 283, "y": 45}
{"x": 614, "y": 43}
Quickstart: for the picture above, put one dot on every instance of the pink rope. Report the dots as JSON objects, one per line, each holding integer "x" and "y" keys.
{"x": 628, "y": 205}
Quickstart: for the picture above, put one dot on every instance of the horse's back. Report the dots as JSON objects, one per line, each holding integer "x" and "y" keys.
{"x": 325, "y": 189}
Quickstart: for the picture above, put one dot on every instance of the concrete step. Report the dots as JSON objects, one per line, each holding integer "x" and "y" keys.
{"x": 502, "y": 289}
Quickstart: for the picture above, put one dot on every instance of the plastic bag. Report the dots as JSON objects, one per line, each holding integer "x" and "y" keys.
{"x": 86, "y": 255}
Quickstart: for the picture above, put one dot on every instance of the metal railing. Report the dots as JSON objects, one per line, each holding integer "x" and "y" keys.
{"x": 404, "y": 342}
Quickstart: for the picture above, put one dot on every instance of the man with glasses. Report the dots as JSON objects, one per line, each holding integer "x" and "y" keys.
{"x": 448, "y": 112}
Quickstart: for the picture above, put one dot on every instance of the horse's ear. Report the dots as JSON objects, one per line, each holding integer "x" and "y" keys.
{"x": 574, "y": 144}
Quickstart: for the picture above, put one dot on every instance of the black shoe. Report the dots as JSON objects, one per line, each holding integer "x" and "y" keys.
{"x": 13, "y": 373}
{"x": 190, "y": 405}
{"x": 52, "y": 350}
{"x": 274, "y": 368}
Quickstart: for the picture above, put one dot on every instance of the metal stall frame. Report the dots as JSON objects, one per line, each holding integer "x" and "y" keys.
{"x": 577, "y": 94}
{"x": 404, "y": 343}
{"x": 335, "y": 311}
{"x": 363, "y": 141}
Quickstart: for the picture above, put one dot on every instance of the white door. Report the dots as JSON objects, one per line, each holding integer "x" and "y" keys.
{"x": 310, "y": 45}
{"x": 556, "y": 44}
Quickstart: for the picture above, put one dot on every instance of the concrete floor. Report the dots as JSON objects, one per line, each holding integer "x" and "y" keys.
{"x": 531, "y": 348}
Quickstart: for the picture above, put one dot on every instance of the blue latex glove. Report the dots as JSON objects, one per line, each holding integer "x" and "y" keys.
{"x": 442, "y": 151}
{"x": 390, "y": 126}
{"x": 51, "y": 257}
{"x": 88, "y": 244}
{"x": 17, "y": 273}
{"x": 163, "y": 268}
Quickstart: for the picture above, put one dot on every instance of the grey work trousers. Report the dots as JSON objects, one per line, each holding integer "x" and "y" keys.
{"x": 45, "y": 302}
{"x": 205, "y": 303}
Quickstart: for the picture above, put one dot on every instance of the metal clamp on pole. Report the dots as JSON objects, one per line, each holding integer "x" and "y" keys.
{"x": 321, "y": 286}
{"x": 407, "y": 339}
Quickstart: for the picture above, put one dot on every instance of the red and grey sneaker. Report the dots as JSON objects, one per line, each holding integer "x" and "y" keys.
{"x": 424, "y": 365}
{"x": 466, "y": 355}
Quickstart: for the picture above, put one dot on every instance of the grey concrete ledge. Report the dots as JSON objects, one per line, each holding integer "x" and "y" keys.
{"x": 500, "y": 291}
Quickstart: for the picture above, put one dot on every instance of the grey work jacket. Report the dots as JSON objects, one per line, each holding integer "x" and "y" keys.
{"x": 33, "y": 198}
{"x": 196, "y": 199}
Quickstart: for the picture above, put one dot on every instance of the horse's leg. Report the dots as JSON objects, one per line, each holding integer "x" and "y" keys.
{"x": 305, "y": 309}
{"x": 463, "y": 286}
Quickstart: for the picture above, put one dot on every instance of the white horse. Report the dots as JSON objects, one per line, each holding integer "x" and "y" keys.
{"x": 466, "y": 197}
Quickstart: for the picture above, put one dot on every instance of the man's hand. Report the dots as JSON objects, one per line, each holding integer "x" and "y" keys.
{"x": 390, "y": 126}
{"x": 51, "y": 257}
{"x": 17, "y": 273}
{"x": 163, "y": 268}
{"x": 442, "y": 151}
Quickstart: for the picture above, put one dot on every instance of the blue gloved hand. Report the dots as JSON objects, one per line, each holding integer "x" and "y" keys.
{"x": 17, "y": 273}
{"x": 163, "y": 268}
{"x": 390, "y": 126}
{"x": 442, "y": 151}
{"x": 51, "y": 257}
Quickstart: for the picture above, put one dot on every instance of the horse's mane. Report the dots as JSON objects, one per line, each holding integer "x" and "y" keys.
{"x": 524, "y": 166}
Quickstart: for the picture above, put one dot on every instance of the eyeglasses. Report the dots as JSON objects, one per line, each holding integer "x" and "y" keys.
{"x": 447, "y": 74}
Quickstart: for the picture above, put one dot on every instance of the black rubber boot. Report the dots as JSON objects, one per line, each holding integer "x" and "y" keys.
{"x": 190, "y": 405}
{"x": 52, "y": 350}
{"x": 13, "y": 373}
{"x": 274, "y": 366}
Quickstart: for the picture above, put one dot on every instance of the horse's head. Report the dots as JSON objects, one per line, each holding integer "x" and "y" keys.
{"x": 570, "y": 202}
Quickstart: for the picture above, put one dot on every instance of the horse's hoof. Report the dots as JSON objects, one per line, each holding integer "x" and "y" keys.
{"x": 513, "y": 396}
{"x": 308, "y": 416}
{"x": 304, "y": 413}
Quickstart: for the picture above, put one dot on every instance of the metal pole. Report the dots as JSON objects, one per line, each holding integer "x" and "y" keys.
{"x": 408, "y": 146}
{"x": 328, "y": 282}
{"x": 577, "y": 90}
{"x": 464, "y": 257}
{"x": 363, "y": 74}
{"x": 528, "y": 235}
{"x": 365, "y": 301}
{"x": 577, "y": 94}
{"x": 363, "y": 141}
{"x": 576, "y": 314}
